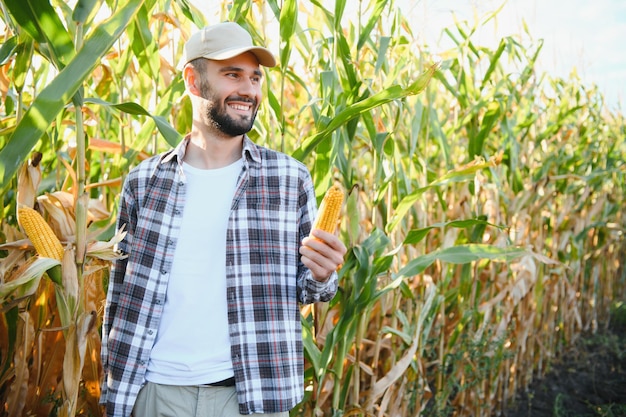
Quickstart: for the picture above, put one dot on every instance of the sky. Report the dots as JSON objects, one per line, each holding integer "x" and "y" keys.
{"x": 588, "y": 36}
{"x": 582, "y": 35}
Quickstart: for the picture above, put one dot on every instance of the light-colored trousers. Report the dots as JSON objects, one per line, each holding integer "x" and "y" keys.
{"x": 156, "y": 400}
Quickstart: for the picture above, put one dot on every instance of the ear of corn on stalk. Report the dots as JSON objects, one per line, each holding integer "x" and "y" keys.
{"x": 46, "y": 243}
{"x": 330, "y": 210}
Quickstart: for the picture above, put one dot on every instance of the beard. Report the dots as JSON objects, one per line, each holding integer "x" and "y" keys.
{"x": 217, "y": 115}
{"x": 227, "y": 124}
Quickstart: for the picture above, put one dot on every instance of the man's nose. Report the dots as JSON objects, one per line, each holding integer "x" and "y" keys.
{"x": 248, "y": 87}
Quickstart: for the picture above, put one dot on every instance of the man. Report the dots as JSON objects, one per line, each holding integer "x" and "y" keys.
{"x": 202, "y": 317}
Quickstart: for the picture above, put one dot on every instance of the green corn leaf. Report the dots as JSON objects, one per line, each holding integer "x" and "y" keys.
{"x": 288, "y": 22}
{"x": 461, "y": 254}
{"x": 381, "y": 58}
{"x": 371, "y": 23}
{"x": 493, "y": 63}
{"x": 83, "y": 9}
{"x": 340, "y": 6}
{"x": 169, "y": 133}
{"x": 143, "y": 45}
{"x": 460, "y": 174}
{"x": 7, "y": 49}
{"x": 320, "y": 7}
{"x": 416, "y": 235}
{"x": 376, "y": 242}
{"x": 488, "y": 122}
{"x": 345, "y": 55}
{"x": 288, "y": 19}
{"x": 326, "y": 355}
{"x": 53, "y": 98}
{"x": 39, "y": 19}
{"x": 353, "y": 215}
{"x": 310, "y": 347}
{"x": 406, "y": 338}
{"x": 439, "y": 135}
{"x": 439, "y": 76}
{"x": 145, "y": 134}
{"x": 23, "y": 59}
{"x": 192, "y": 13}
{"x": 392, "y": 93}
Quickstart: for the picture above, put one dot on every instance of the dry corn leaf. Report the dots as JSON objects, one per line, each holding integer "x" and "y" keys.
{"x": 20, "y": 245}
{"x": 28, "y": 180}
{"x": 26, "y": 279}
{"x": 525, "y": 271}
{"x": 70, "y": 274}
{"x": 94, "y": 294}
{"x": 97, "y": 211}
{"x": 102, "y": 145}
{"x": 112, "y": 183}
{"x": 17, "y": 398}
{"x": 75, "y": 348}
{"x": 48, "y": 361}
{"x": 61, "y": 218}
{"x": 398, "y": 370}
{"x": 13, "y": 258}
{"x": 107, "y": 250}
{"x": 6, "y": 82}
{"x": 62, "y": 198}
{"x": 91, "y": 376}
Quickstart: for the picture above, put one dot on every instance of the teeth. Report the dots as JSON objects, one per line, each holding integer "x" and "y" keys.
{"x": 239, "y": 107}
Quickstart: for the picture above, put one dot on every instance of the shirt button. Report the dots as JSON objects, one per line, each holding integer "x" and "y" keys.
{"x": 176, "y": 212}
{"x": 170, "y": 242}
{"x": 158, "y": 302}
{"x": 163, "y": 271}
{"x": 142, "y": 363}
{"x": 150, "y": 331}
{"x": 180, "y": 184}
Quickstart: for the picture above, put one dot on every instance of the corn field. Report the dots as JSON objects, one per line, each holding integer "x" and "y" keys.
{"x": 483, "y": 218}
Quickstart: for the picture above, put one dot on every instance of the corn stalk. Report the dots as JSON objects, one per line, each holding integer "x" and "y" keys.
{"x": 483, "y": 222}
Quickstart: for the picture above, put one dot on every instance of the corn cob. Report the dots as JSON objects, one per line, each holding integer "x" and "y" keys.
{"x": 330, "y": 210}
{"x": 46, "y": 243}
{"x": 40, "y": 234}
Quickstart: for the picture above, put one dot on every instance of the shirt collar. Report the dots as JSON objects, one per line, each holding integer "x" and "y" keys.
{"x": 249, "y": 151}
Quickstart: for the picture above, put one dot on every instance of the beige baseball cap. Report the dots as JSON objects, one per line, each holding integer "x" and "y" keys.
{"x": 223, "y": 41}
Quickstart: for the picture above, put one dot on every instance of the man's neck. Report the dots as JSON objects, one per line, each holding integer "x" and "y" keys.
{"x": 211, "y": 151}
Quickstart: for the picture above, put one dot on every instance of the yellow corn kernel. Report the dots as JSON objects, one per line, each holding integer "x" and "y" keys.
{"x": 46, "y": 243}
{"x": 330, "y": 210}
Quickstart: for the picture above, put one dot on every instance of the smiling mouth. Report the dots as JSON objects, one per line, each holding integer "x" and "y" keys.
{"x": 240, "y": 107}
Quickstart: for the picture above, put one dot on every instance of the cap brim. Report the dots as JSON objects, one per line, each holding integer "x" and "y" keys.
{"x": 263, "y": 55}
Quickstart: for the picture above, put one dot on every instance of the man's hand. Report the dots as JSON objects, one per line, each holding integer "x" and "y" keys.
{"x": 322, "y": 253}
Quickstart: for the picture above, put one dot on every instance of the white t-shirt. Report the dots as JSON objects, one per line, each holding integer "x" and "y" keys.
{"x": 192, "y": 344}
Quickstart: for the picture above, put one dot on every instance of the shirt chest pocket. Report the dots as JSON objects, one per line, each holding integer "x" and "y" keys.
{"x": 273, "y": 233}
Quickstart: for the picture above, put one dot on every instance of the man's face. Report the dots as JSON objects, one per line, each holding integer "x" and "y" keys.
{"x": 232, "y": 89}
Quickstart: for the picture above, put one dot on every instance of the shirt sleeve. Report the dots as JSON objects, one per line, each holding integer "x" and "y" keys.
{"x": 309, "y": 289}
{"x": 126, "y": 219}
{"x": 315, "y": 291}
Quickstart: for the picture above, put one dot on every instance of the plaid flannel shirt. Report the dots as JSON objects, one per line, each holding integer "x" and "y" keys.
{"x": 272, "y": 211}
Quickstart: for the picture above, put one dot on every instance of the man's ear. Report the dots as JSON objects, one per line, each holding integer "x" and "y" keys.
{"x": 191, "y": 80}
